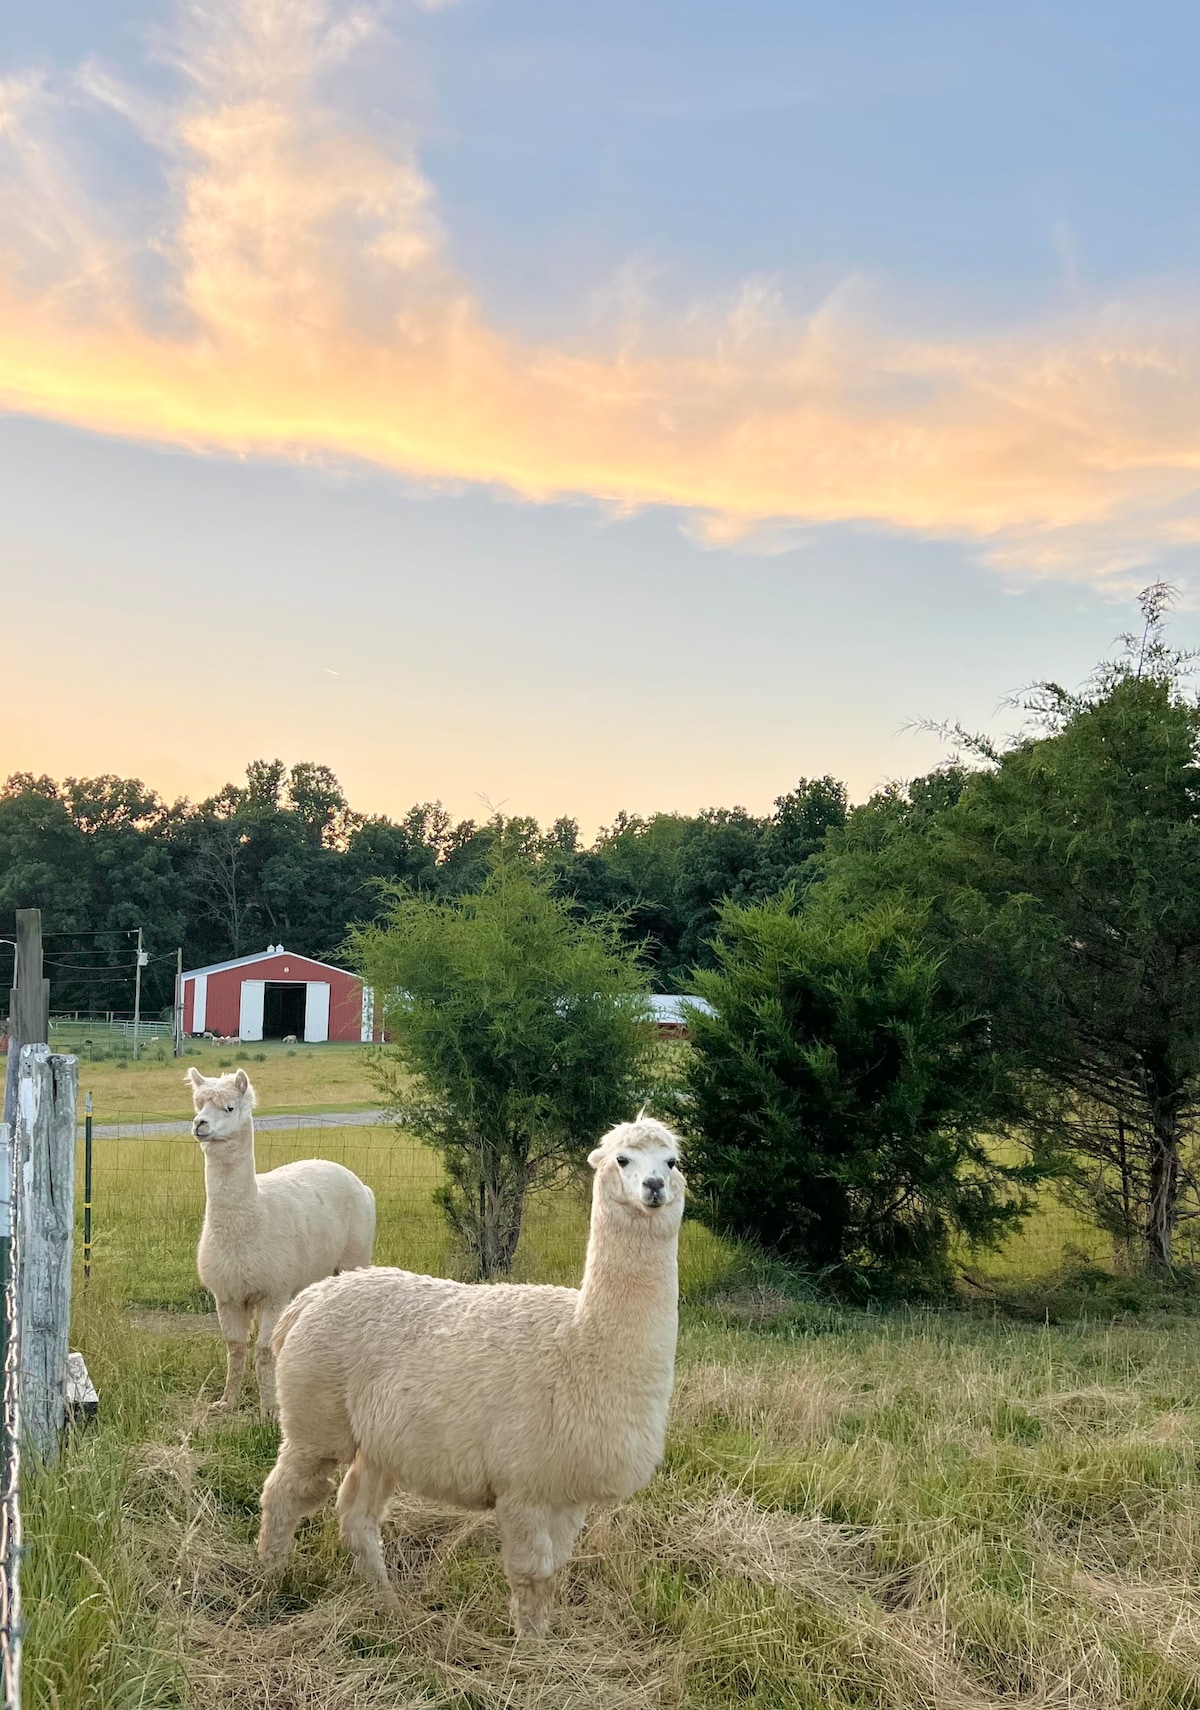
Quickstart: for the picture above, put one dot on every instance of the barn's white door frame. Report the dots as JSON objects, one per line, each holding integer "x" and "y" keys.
{"x": 199, "y": 1003}
{"x": 367, "y": 1031}
{"x": 316, "y": 1013}
{"x": 250, "y": 1020}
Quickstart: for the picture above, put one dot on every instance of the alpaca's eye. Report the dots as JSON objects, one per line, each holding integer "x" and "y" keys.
{"x": 229, "y": 1108}
{"x": 622, "y": 1162}
{"x": 671, "y": 1163}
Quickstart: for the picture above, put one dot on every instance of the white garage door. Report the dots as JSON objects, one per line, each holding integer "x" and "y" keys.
{"x": 250, "y": 1019}
{"x": 316, "y": 1012}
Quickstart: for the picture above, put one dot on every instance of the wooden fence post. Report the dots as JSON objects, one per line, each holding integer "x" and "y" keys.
{"x": 29, "y": 1003}
{"x": 46, "y": 1097}
{"x": 31, "y": 993}
{"x": 10, "y": 1430}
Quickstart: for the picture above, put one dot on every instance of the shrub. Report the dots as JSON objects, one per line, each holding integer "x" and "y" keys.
{"x": 835, "y": 1098}
{"x": 520, "y": 1033}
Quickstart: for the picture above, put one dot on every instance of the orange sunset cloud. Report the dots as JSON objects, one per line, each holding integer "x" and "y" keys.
{"x": 299, "y": 302}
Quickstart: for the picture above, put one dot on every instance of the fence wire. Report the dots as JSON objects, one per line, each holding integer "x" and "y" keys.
{"x": 10, "y": 1449}
{"x": 148, "y": 1208}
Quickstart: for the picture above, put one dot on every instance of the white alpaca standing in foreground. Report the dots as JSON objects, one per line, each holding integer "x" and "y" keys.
{"x": 534, "y": 1401}
{"x": 266, "y": 1237}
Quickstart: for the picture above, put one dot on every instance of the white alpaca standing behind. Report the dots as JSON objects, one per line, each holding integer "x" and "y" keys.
{"x": 534, "y": 1401}
{"x": 266, "y": 1237}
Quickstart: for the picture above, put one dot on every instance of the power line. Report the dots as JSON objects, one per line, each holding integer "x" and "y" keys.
{"x": 89, "y": 967}
{"x": 93, "y": 932}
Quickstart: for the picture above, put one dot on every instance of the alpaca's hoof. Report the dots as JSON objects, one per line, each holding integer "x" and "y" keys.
{"x": 217, "y": 1408}
{"x": 528, "y": 1624}
{"x": 530, "y": 1632}
{"x": 271, "y": 1557}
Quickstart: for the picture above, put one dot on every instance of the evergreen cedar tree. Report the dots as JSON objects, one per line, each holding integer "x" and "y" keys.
{"x": 837, "y": 1099}
{"x": 1057, "y": 886}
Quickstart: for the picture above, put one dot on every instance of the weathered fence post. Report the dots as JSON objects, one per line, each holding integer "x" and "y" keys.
{"x": 29, "y": 1003}
{"x": 10, "y": 1430}
{"x": 46, "y": 1097}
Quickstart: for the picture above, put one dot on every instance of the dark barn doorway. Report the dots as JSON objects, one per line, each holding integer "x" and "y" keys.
{"x": 283, "y": 1009}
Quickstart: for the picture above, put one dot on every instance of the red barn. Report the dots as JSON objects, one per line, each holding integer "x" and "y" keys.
{"x": 276, "y": 995}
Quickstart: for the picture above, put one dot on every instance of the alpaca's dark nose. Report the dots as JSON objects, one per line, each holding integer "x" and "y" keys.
{"x": 652, "y": 1190}
{"x": 200, "y": 1128}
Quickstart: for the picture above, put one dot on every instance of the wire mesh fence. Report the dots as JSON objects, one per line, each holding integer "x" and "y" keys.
{"x": 148, "y": 1206}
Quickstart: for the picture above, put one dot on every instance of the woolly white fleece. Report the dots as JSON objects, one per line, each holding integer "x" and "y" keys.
{"x": 534, "y": 1401}
{"x": 265, "y": 1237}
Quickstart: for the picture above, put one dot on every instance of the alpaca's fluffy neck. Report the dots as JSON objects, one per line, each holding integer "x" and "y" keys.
{"x": 629, "y": 1299}
{"x": 230, "y": 1183}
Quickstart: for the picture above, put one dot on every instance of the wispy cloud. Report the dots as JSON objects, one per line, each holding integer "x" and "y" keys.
{"x": 311, "y": 312}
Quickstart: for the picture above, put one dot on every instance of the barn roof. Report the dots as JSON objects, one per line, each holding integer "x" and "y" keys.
{"x": 264, "y": 956}
{"x": 672, "y": 1011}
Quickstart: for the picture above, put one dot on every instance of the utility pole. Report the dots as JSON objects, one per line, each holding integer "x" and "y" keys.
{"x": 142, "y": 959}
{"x": 179, "y": 1002}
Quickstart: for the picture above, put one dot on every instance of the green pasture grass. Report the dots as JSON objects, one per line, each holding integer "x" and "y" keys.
{"x": 1054, "y": 1235}
{"x": 1050, "y": 1234}
{"x": 288, "y": 1079}
{"x": 892, "y": 1509}
{"x": 911, "y": 1511}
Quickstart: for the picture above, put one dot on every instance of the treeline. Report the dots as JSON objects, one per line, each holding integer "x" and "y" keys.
{"x": 284, "y": 858}
{"x": 922, "y": 1006}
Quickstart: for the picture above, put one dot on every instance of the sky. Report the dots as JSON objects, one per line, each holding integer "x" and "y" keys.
{"x": 564, "y": 409}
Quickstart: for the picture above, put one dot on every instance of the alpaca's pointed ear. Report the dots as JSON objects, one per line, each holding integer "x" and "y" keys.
{"x": 194, "y": 1078}
{"x": 596, "y": 1158}
{"x": 241, "y": 1080}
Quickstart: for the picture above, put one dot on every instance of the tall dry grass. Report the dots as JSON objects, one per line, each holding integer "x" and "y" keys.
{"x": 918, "y": 1512}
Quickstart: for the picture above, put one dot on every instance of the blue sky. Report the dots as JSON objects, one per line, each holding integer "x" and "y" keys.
{"x": 583, "y": 408}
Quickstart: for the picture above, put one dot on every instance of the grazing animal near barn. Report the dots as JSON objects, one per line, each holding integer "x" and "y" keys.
{"x": 266, "y": 1237}
{"x": 289, "y": 1039}
{"x": 532, "y": 1401}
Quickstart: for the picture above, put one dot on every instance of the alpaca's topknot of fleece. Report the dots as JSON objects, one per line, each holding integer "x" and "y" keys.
{"x": 235, "y": 1083}
{"x": 646, "y": 1132}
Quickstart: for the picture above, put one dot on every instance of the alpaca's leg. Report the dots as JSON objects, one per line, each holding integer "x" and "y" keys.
{"x": 360, "y": 1505}
{"x": 298, "y": 1483}
{"x": 535, "y": 1544}
{"x": 356, "y": 1255}
{"x": 564, "y": 1527}
{"x": 264, "y": 1360}
{"x": 235, "y": 1327}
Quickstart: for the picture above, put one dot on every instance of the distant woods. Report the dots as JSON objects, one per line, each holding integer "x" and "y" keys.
{"x": 284, "y": 858}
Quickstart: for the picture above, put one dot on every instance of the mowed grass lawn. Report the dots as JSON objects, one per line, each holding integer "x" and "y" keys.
{"x": 896, "y": 1509}
{"x": 291, "y": 1079}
